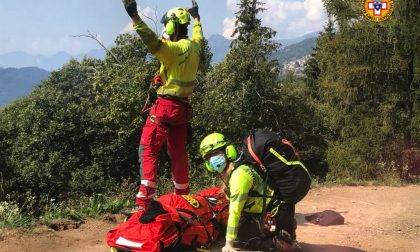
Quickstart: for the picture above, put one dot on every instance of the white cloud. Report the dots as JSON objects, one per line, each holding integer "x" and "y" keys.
{"x": 314, "y": 10}
{"x": 289, "y": 18}
{"x": 278, "y": 11}
{"x": 128, "y": 28}
{"x": 232, "y": 5}
{"x": 228, "y": 27}
{"x": 149, "y": 13}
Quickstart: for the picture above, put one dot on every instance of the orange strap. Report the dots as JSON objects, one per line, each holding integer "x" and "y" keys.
{"x": 285, "y": 141}
{"x": 254, "y": 156}
{"x": 257, "y": 159}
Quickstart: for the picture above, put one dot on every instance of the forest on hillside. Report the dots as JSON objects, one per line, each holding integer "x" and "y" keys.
{"x": 16, "y": 82}
{"x": 355, "y": 116}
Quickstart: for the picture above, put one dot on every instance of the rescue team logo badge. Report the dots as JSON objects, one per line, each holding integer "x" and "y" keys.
{"x": 193, "y": 202}
{"x": 378, "y": 10}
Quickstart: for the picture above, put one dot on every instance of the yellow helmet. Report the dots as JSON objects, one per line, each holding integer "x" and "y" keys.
{"x": 213, "y": 142}
{"x": 175, "y": 16}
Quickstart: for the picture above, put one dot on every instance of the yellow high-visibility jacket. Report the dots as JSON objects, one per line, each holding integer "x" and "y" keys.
{"x": 179, "y": 60}
{"x": 243, "y": 180}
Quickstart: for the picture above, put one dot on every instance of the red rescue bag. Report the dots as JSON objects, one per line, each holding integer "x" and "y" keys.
{"x": 187, "y": 221}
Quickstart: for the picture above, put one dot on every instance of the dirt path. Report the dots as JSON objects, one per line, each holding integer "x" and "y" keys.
{"x": 376, "y": 219}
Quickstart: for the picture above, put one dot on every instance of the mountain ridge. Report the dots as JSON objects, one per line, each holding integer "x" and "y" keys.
{"x": 295, "y": 51}
{"x": 19, "y": 59}
{"x": 17, "y": 82}
{"x": 219, "y": 45}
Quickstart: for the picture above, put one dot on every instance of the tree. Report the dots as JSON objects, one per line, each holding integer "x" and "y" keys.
{"x": 243, "y": 93}
{"x": 364, "y": 78}
{"x": 46, "y": 136}
{"x": 238, "y": 90}
{"x": 77, "y": 133}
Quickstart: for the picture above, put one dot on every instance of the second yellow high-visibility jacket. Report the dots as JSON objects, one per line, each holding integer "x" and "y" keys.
{"x": 243, "y": 180}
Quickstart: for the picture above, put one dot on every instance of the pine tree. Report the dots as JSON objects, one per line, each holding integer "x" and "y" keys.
{"x": 239, "y": 90}
{"x": 312, "y": 70}
{"x": 366, "y": 86}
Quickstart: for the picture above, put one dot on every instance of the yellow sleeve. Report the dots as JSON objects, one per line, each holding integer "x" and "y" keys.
{"x": 240, "y": 184}
{"x": 165, "y": 50}
{"x": 197, "y": 34}
{"x": 149, "y": 38}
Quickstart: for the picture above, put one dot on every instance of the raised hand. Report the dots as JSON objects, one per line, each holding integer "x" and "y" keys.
{"x": 194, "y": 10}
{"x": 130, "y": 7}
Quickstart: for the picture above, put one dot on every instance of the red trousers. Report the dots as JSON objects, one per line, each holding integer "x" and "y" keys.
{"x": 167, "y": 123}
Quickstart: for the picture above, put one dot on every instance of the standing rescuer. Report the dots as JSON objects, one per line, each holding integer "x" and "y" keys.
{"x": 252, "y": 193}
{"x": 171, "y": 112}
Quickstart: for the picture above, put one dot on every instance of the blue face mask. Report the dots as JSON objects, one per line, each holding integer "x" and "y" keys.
{"x": 218, "y": 162}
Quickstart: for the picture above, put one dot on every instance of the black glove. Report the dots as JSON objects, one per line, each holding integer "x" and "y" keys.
{"x": 194, "y": 10}
{"x": 131, "y": 7}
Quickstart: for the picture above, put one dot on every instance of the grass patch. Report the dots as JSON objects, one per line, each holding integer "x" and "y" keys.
{"x": 79, "y": 207}
{"x": 11, "y": 216}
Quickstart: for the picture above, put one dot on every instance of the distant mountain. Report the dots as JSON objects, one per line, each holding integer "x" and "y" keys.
{"x": 219, "y": 45}
{"x": 287, "y": 42}
{"x": 295, "y": 51}
{"x": 52, "y": 62}
{"x": 17, "y": 82}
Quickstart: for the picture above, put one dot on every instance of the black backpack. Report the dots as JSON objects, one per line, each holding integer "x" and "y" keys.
{"x": 273, "y": 157}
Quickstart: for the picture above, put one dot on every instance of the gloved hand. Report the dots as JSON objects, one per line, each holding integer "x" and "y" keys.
{"x": 131, "y": 7}
{"x": 229, "y": 247}
{"x": 194, "y": 10}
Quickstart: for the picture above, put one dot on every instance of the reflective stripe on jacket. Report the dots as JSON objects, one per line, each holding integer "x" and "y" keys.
{"x": 179, "y": 60}
{"x": 243, "y": 180}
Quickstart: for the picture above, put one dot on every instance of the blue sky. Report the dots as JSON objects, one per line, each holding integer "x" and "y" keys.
{"x": 44, "y": 26}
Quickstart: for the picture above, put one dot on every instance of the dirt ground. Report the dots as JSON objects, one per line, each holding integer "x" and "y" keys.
{"x": 376, "y": 219}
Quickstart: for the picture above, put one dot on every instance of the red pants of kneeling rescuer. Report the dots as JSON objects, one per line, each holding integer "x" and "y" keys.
{"x": 167, "y": 123}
